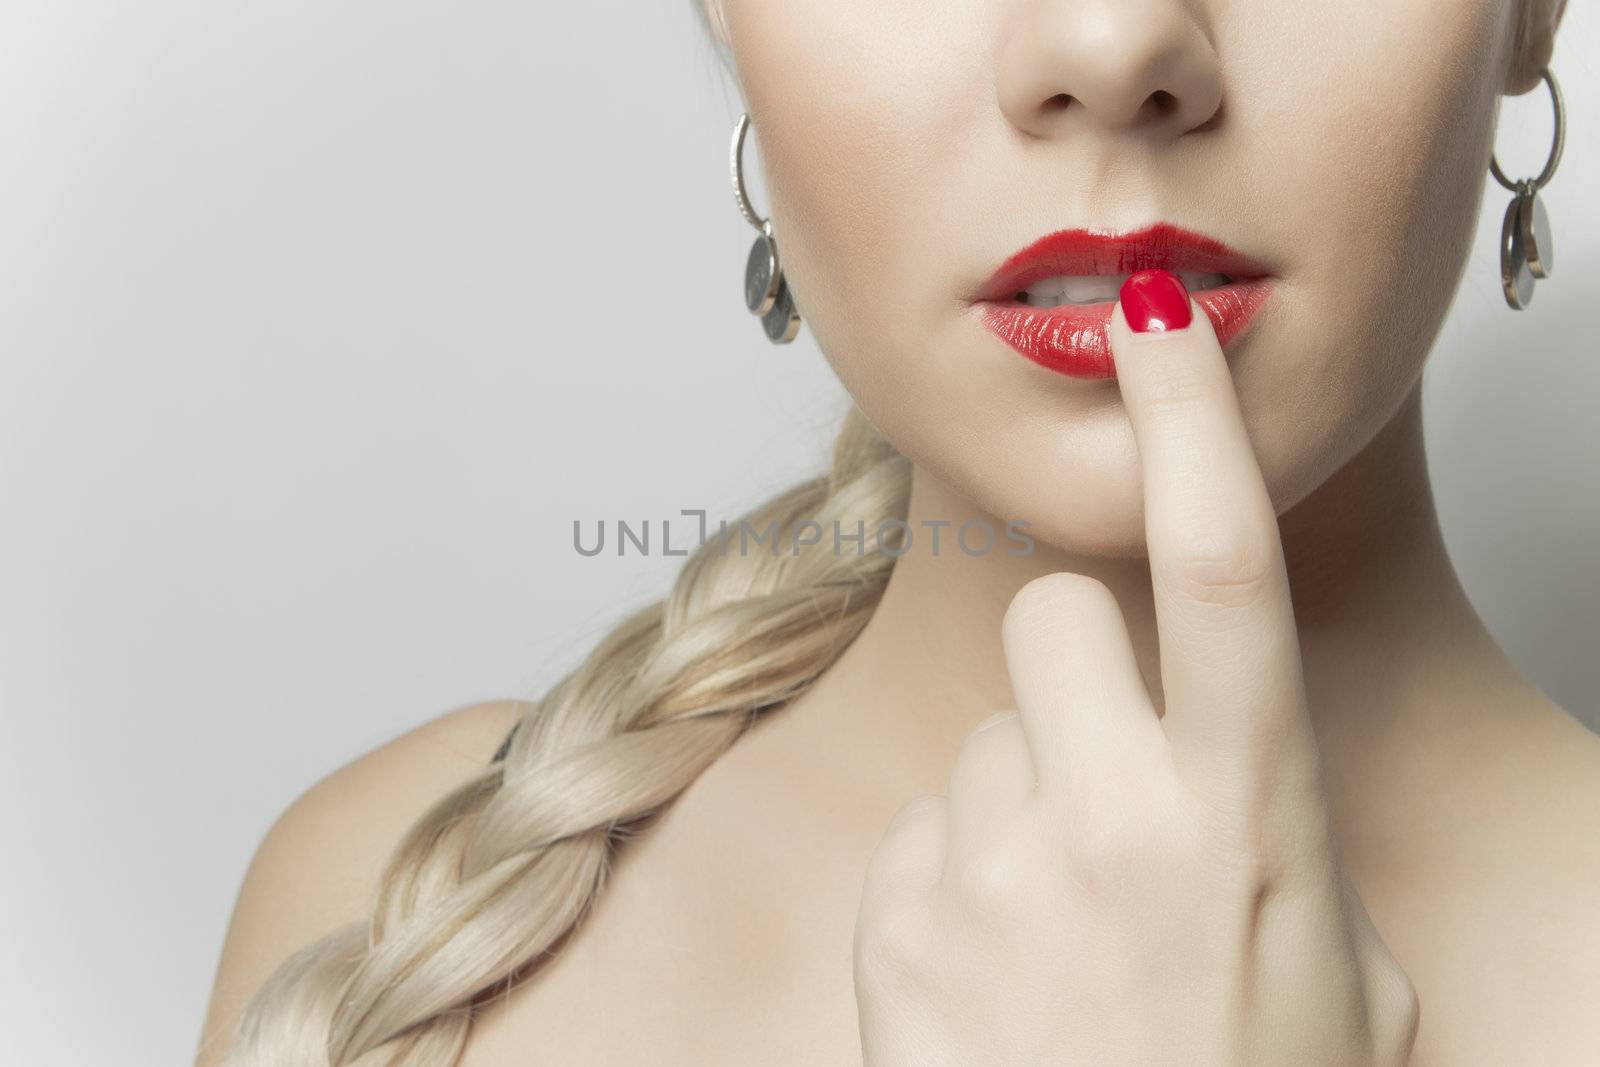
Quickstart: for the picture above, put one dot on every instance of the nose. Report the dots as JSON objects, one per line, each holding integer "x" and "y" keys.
{"x": 1126, "y": 65}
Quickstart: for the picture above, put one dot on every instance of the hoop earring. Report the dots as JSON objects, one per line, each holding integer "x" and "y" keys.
{"x": 766, "y": 290}
{"x": 1526, "y": 251}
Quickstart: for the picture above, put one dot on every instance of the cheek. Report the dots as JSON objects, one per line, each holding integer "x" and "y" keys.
{"x": 875, "y": 123}
{"x": 1376, "y": 152}
{"x": 859, "y": 111}
{"x": 1393, "y": 164}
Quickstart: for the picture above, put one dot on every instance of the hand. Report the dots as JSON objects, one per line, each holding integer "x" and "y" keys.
{"x": 1106, "y": 885}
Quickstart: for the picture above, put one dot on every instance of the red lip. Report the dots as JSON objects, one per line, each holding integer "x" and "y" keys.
{"x": 1073, "y": 338}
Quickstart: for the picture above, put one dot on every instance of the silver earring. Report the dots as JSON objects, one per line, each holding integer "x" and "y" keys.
{"x": 766, "y": 291}
{"x": 1526, "y": 252}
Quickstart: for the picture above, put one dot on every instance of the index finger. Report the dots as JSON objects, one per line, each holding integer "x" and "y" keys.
{"x": 1230, "y": 652}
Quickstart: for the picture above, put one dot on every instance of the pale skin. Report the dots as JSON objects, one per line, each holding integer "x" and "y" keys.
{"x": 1106, "y": 884}
{"x": 1462, "y": 805}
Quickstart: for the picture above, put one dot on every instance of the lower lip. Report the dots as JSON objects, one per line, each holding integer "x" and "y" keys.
{"x": 1074, "y": 339}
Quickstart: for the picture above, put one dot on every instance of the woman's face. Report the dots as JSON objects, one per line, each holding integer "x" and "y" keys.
{"x": 910, "y": 147}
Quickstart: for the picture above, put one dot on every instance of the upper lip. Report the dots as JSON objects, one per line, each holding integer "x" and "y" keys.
{"x": 1087, "y": 252}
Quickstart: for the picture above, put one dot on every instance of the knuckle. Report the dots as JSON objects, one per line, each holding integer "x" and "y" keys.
{"x": 1258, "y": 856}
{"x": 994, "y": 747}
{"x": 992, "y": 883}
{"x": 904, "y": 848}
{"x": 1111, "y": 854}
{"x": 1242, "y": 837}
{"x": 1254, "y": 865}
{"x": 892, "y": 946}
{"x": 1225, "y": 564}
{"x": 914, "y": 810}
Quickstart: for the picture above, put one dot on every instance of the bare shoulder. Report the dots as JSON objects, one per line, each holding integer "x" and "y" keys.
{"x": 1562, "y": 767}
{"x": 1504, "y": 934}
{"x": 1546, "y": 833}
{"x": 1549, "y": 906}
{"x": 317, "y": 867}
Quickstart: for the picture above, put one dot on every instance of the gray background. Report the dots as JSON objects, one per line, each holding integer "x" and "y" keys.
{"x": 319, "y": 323}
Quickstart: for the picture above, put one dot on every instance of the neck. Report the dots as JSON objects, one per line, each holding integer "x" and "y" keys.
{"x": 1384, "y": 624}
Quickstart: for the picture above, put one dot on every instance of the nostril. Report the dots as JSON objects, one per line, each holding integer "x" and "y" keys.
{"x": 1058, "y": 102}
{"x": 1162, "y": 103}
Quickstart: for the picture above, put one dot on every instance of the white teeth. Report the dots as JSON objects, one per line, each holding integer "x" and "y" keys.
{"x": 1074, "y": 289}
{"x": 1099, "y": 288}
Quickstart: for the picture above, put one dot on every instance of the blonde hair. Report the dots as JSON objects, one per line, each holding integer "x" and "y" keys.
{"x": 498, "y": 871}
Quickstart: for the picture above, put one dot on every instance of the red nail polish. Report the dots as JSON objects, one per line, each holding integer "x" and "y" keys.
{"x": 1155, "y": 300}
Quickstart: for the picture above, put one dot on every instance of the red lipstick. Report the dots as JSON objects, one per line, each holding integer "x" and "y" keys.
{"x": 1074, "y": 338}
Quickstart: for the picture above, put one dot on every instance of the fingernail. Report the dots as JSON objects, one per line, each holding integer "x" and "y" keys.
{"x": 1155, "y": 301}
